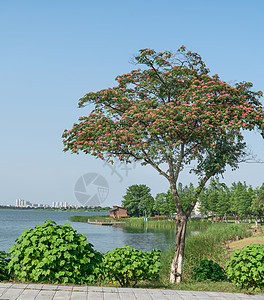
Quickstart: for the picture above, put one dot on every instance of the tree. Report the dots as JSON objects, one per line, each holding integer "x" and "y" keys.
{"x": 164, "y": 204}
{"x": 186, "y": 194}
{"x": 251, "y": 194}
{"x": 241, "y": 200}
{"x": 234, "y": 200}
{"x": 245, "y": 202}
{"x": 257, "y": 206}
{"x": 169, "y": 114}
{"x": 215, "y": 198}
{"x": 204, "y": 203}
{"x": 223, "y": 204}
{"x": 138, "y": 200}
{"x": 161, "y": 205}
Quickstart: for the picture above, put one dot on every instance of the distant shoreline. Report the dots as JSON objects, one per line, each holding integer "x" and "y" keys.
{"x": 96, "y": 209}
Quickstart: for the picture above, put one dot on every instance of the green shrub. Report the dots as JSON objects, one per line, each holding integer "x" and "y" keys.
{"x": 4, "y": 274}
{"x": 246, "y": 267}
{"x": 54, "y": 253}
{"x": 127, "y": 266}
{"x": 208, "y": 270}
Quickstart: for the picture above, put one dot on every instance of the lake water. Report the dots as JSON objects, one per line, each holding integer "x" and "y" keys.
{"x": 104, "y": 238}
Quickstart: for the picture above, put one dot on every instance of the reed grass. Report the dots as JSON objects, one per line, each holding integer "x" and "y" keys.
{"x": 152, "y": 222}
{"x": 166, "y": 223}
{"x": 85, "y": 219}
{"x": 207, "y": 244}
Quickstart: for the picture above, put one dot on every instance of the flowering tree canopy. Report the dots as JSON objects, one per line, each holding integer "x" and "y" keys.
{"x": 169, "y": 114}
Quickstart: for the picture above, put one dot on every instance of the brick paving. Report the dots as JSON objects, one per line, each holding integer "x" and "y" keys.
{"x": 19, "y": 291}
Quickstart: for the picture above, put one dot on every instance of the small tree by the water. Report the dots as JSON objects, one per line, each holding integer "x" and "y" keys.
{"x": 169, "y": 114}
{"x": 138, "y": 200}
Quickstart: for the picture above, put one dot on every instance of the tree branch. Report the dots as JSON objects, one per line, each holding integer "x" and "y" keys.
{"x": 179, "y": 163}
{"x": 198, "y": 191}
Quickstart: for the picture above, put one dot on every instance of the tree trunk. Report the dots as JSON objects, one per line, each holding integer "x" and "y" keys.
{"x": 256, "y": 221}
{"x": 176, "y": 266}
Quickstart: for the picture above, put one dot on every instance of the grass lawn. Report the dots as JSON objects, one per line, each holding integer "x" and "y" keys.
{"x": 256, "y": 239}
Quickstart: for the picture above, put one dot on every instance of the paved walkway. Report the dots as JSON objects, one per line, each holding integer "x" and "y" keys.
{"x": 10, "y": 291}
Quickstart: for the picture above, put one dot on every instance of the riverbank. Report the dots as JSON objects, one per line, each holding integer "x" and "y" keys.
{"x": 208, "y": 244}
{"x": 256, "y": 238}
{"x": 140, "y": 222}
{"x": 212, "y": 244}
{"x": 80, "y": 209}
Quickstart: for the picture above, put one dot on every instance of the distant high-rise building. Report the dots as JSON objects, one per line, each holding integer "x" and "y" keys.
{"x": 24, "y": 203}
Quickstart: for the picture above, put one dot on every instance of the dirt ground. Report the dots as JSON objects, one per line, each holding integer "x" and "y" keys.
{"x": 257, "y": 238}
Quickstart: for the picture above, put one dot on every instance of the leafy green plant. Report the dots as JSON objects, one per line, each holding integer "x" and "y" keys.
{"x": 208, "y": 270}
{"x": 127, "y": 265}
{"x": 54, "y": 253}
{"x": 246, "y": 267}
{"x": 4, "y": 274}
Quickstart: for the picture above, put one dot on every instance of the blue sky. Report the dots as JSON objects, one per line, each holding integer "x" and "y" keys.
{"x": 53, "y": 52}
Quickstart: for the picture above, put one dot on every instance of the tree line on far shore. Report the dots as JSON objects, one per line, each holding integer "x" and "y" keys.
{"x": 241, "y": 201}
